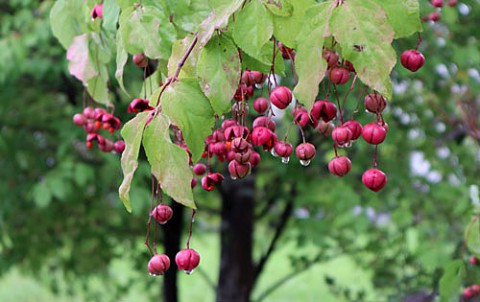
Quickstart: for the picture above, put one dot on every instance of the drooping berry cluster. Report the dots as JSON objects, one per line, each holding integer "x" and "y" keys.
{"x": 187, "y": 259}
{"x": 234, "y": 140}
{"x": 93, "y": 120}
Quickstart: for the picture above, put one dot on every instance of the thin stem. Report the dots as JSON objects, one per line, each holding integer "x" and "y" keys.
{"x": 147, "y": 237}
{"x": 272, "y": 67}
{"x": 375, "y": 156}
{"x": 349, "y": 90}
{"x": 340, "y": 110}
{"x": 145, "y": 83}
{"x": 335, "y": 149}
{"x": 419, "y": 41}
{"x": 288, "y": 130}
{"x": 177, "y": 71}
{"x": 190, "y": 230}
{"x": 155, "y": 230}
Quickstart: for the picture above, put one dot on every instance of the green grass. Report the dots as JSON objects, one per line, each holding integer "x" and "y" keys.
{"x": 306, "y": 286}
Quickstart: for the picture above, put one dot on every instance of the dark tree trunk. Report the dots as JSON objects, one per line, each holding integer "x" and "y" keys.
{"x": 236, "y": 235}
{"x": 172, "y": 232}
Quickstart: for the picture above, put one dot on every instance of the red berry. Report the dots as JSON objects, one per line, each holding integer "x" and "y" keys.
{"x": 261, "y": 105}
{"x": 264, "y": 121}
{"x": 242, "y": 157}
{"x": 468, "y": 293}
{"x": 342, "y": 136}
{"x": 106, "y": 146}
{"x": 434, "y": 17}
{"x": 255, "y": 159}
{"x": 258, "y": 77}
{"x": 97, "y": 11}
{"x": 437, "y": 3}
{"x": 89, "y": 112}
{"x": 238, "y": 170}
{"x": 193, "y": 183}
{"x": 452, "y": 3}
{"x": 476, "y": 289}
{"x": 139, "y": 105}
{"x": 79, "y": 119}
{"x": 210, "y": 180}
{"x": 473, "y": 260}
{"x": 283, "y": 149}
{"x": 339, "y": 166}
{"x": 199, "y": 169}
{"x": 187, "y": 260}
{"x": 158, "y": 265}
{"x": 375, "y": 103}
{"x": 305, "y": 153}
{"x": 349, "y": 66}
{"x": 374, "y": 179}
{"x": 262, "y": 136}
{"x": 331, "y": 57}
{"x": 412, "y": 60}
{"x": 162, "y": 213}
{"x": 140, "y": 60}
{"x": 301, "y": 117}
{"x": 281, "y": 97}
{"x": 287, "y": 53}
{"x": 325, "y": 128}
{"x": 119, "y": 146}
{"x": 374, "y": 134}
{"x": 339, "y": 75}
{"x": 323, "y": 109}
{"x": 355, "y": 127}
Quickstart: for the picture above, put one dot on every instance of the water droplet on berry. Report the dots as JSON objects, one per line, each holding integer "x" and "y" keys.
{"x": 272, "y": 151}
{"x": 153, "y": 275}
{"x": 348, "y": 145}
{"x": 305, "y": 162}
{"x": 285, "y": 160}
{"x": 188, "y": 272}
{"x": 233, "y": 177}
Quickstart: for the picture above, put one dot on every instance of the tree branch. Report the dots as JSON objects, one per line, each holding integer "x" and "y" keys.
{"x": 177, "y": 71}
{"x": 287, "y": 212}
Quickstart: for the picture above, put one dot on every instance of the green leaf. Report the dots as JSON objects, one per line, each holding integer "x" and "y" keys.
{"x": 169, "y": 162}
{"x": 188, "y": 108}
{"x": 147, "y": 29}
{"x": 309, "y": 63}
{"x": 122, "y": 58}
{"x": 189, "y": 69}
{"x": 218, "y": 18}
{"x": 111, "y": 12}
{"x": 253, "y": 28}
{"x": 472, "y": 236}
{"x": 451, "y": 281}
{"x": 219, "y": 71}
{"x": 263, "y": 62}
{"x": 188, "y": 14}
{"x": 361, "y": 29}
{"x": 281, "y": 8}
{"x": 285, "y": 29}
{"x": 97, "y": 87}
{"x": 403, "y": 16}
{"x": 132, "y": 135}
{"x": 126, "y": 3}
{"x": 81, "y": 64}
{"x": 66, "y": 19}
{"x": 41, "y": 194}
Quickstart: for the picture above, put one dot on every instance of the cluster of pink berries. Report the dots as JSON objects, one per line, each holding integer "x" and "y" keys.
{"x": 93, "y": 120}
{"x": 187, "y": 259}
{"x": 233, "y": 141}
{"x": 436, "y": 15}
